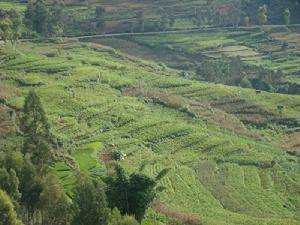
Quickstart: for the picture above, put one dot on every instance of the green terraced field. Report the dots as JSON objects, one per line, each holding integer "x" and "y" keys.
{"x": 223, "y": 144}
{"x": 6, "y": 5}
{"x": 185, "y": 51}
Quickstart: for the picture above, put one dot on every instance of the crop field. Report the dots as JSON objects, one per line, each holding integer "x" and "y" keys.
{"x": 253, "y": 46}
{"x": 226, "y": 147}
{"x": 12, "y": 5}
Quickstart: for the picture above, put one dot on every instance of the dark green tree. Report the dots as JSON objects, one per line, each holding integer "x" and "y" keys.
{"x": 164, "y": 22}
{"x": 54, "y": 204}
{"x": 10, "y": 25}
{"x": 41, "y": 17}
{"x": 38, "y": 139}
{"x": 140, "y": 194}
{"x": 140, "y": 21}
{"x": 262, "y": 14}
{"x": 131, "y": 195}
{"x": 9, "y": 182}
{"x": 8, "y": 215}
{"x": 117, "y": 191}
{"x": 5, "y": 29}
{"x": 30, "y": 188}
{"x": 44, "y": 19}
{"x": 56, "y": 18}
{"x": 29, "y": 15}
{"x": 100, "y": 18}
{"x": 89, "y": 202}
{"x": 17, "y": 24}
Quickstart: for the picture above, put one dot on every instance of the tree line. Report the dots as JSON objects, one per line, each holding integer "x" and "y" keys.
{"x": 30, "y": 193}
{"x": 233, "y": 71}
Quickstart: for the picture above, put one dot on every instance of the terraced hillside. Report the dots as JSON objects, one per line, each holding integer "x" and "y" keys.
{"x": 227, "y": 148}
{"x": 274, "y": 48}
{"x": 122, "y": 14}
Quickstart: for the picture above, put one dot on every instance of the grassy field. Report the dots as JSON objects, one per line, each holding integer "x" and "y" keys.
{"x": 186, "y": 51}
{"x": 226, "y": 147}
{"x": 6, "y": 5}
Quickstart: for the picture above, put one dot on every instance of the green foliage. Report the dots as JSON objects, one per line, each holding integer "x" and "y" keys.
{"x": 247, "y": 21}
{"x": 38, "y": 139}
{"x": 132, "y": 195}
{"x": 54, "y": 204}
{"x": 100, "y": 18}
{"x": 140, "y": 21}
{"x": 115, "y": 218}
{"x": 9, "y": 182}
{"x": 117, "y": 155}
{"x": 30, "y": 188}
{"x": 10, "y": 25}
{"x": 245, "y": 83}
{"x": 45, "y": 20}
{"x": 287, "y": 16}
{"x": 249, "y": 179}
{"x": 262, "y": 14}
{"x": 7, "y": 213}
{"x": 89, "y": 202}
{"x": 224, "y": 70}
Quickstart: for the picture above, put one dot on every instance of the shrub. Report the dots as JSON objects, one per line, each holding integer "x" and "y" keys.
{"x": 118, "y": 155}
{"x": 245, "y": 83}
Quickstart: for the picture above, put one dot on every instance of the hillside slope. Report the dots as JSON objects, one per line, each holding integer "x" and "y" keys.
{"x": 121, "y": 15}
{"x": 223, "y": 144}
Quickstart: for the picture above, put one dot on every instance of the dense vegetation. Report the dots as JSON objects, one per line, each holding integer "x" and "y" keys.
{"x": 192, "y": 128}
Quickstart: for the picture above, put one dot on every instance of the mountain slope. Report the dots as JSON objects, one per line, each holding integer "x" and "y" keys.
{"x": 99, "y": 100}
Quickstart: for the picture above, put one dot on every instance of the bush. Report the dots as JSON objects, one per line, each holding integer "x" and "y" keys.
{"x": 52, "y": 54}
{"x": 118, "y": 155}
{"x": 116, "y": 218}
{"x": 245, "y": 83}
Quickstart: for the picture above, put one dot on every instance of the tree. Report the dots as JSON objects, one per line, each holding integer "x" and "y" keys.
{"x": 56, "y": 17}
{"x": 5, "y": 29}
{"x": 54, "y": 204}
{"x": 117, "y": 191}
{"x": 164, "y": 22}
{"x": 287, "y": 16}
{"x": 262, "y": 14}
{"x": 245, "y": 83}
{"x": 141, "y": 194}
{"x": 132, "y": 195}
{"x": 172, "y": 21}
{"x": 8, "y": 215}
{"x": 115, "y": 218}
{"x": 9, "y": 182}
{"x": 100, "y": 18}
{"x": 10, "y": 25}
{"x": 38, "y": 139}
{"x": 89, "y": 202}
{"x": 224, "y": 13}
{"x": 17, "y": 24}
{"x": 198, "y": 18}
{"x": 247, "y": 21}
{"x": 140, "y": 21}
{"x": 29, "y": 15}
{"x": 164, "y": 19}
{"x": 30, "y": 188}
{"x": 43, "y": 19}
